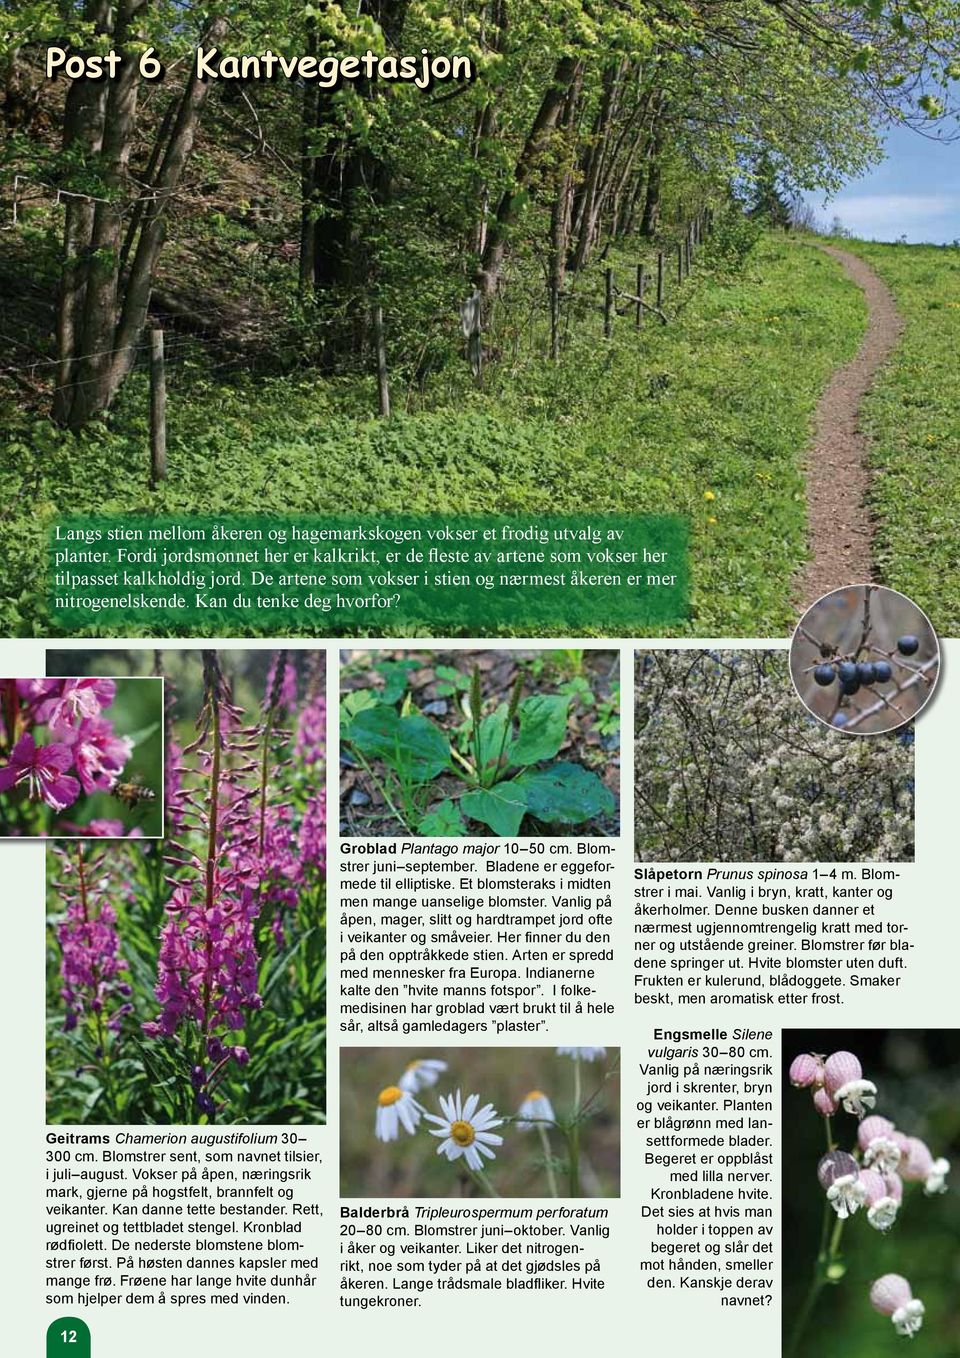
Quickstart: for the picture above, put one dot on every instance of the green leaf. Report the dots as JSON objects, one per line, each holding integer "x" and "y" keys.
{"x": 412, "y": 745}
{"x": 490, "y": 739}
{"x": 395, "y": 674}
{"x": 502, "y": 807}
{"x": 444, "y": 819}
{"x": 543, "y": 725}
{"x": 566, "y": 794}
{"x": 352, "y": 703}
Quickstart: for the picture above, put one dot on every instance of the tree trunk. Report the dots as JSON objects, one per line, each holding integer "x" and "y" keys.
{"x": 102, "y": 311}
{"x": 495, "y": 250}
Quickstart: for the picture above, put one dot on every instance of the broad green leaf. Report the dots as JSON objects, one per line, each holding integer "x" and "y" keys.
{"x": 490, "y": 739}
{"x": 412, "y": 746}
{"x": 502, "y": 807}
{"x": 444, "y": 819}
{"x": 543, "y": 725}
{"x": 395, "y": 674}
{"x": 566, "y": 794}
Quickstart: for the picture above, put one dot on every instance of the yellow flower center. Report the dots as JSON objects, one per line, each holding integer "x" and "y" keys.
{"x": 389, "y": 1096}
{"x": 462, "y": 1133}
{"x": 413, "y": 1065}
{"x": 534, "y": 1094}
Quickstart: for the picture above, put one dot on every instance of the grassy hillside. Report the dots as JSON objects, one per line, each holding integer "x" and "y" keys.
{"x": 706, "y": 417}
{"x": 913, "y": 416}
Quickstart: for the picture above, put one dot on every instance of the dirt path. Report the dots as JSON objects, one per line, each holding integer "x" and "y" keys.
{"x": 839, "y": 527}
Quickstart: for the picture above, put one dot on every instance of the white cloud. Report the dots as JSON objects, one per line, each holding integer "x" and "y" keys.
{"x": 887, "y": 216}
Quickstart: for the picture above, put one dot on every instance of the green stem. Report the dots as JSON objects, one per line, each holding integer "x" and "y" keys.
{"x": 573, "y": 1137}
{"x": 479, "y": 1176}
{"x": 827, "y": 1256}
{"x": 548, "y": 1160}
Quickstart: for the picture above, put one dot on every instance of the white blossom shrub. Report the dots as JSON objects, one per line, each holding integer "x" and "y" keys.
{"x": 730, "y": 767}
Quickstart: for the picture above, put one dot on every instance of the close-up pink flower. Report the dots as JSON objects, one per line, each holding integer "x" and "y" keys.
{"x": 42, "y": 770}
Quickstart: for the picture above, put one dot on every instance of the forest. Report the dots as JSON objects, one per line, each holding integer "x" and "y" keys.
{"x": 448, "y": 296}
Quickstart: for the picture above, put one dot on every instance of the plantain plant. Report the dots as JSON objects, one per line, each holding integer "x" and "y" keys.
{"x": 507, "y": 767}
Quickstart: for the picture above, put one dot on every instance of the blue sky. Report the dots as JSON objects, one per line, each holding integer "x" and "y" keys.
{"x": 914, "y": 192}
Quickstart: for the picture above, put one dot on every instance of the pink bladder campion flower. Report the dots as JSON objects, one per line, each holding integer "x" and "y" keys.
{"x": 881, "y": 1151}
{"x": 882, "y": 1206}
{"x": 42, "y": 769}
{"x": 839, "y": 1176}
{"x": 844, "y": 1082}
{"x": 919, "y": 1166}
{"x": 806, "y": 1071}
{"x": 825, "y": 1105}
{"x": 892, "y": 1296}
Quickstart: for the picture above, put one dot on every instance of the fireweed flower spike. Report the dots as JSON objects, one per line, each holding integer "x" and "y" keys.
{"x": 421, "y": 1075}
{"x": 839, "y": 1176}
{"x": 91, "y": 967}
{"x": 396, "y": 1108}
{"x": 207, "y": 970}
{"x": 844, "y": 1082}
{"x": 465, "y": 1130}
{"x": 535, "y": 1110}
{"x": 881, "y": 1205}
{"x": 891, "y": 1295}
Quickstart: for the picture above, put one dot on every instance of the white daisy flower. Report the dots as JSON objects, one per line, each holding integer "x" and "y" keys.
{"x": 421, "y": 1075}
{"x": 466, "y": 1129}
{"x": 396, "y": 1107}
{"x": 535, "y": 1111}
{"x": 583, "y": 1053}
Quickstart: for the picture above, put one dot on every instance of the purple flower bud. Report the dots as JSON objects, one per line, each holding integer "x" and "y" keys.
{"x": 806, "y": 1070}
{"x": 891, "y": 1296}
{"x": 825, "y": 1105}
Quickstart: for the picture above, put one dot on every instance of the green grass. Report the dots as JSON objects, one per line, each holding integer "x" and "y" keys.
{"x": 707, "y": 417}
{"x": 913, "y": 416}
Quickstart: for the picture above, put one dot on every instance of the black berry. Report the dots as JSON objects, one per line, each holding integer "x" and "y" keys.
{"x": 884, "y": 671}
{"x": 908, "y": 645}
{"x": 824, "y": 675}
{"x": 867, "y": 672}
{"x": 847, "y": 671}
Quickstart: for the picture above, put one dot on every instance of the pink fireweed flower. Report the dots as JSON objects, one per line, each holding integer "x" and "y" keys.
{"x": 43, "y": 769}
{"x": 919, "y": 1166}
{"x": 844, "y": 1082}
{"x": 825, "y": 1105}
{"x": 875, "y": 1138}
{"x": 806, "y": 1071}
{"x": 79, "y": 699}
{"x": 839, "y": 1176}
{"x": 311, "y": 728}
{"x": 313, "y": 833}
{"x": 99, "y": 754}
{"x": 881, "y": 1205}
{"x": 892, "y": 1296}
{"x": 91, "y": 968}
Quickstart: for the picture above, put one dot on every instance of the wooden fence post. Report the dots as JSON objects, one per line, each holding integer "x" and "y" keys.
{"x": 608, "y": 304}
{"x": 383, "y": 378}
{"x": 660, "y": 263}
{"x": 641, "y": 281}
{"x": 158, "y": 409}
